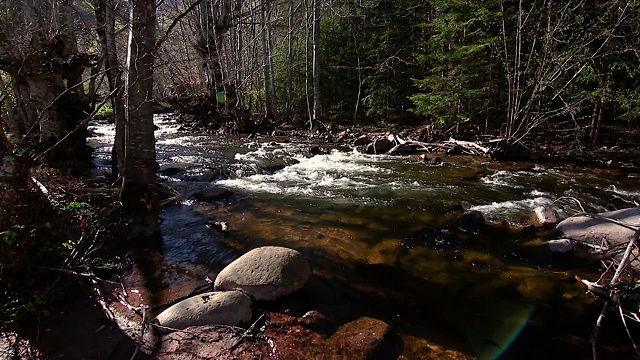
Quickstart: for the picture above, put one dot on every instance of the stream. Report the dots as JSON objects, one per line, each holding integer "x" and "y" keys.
{"x": 378, "y": 233}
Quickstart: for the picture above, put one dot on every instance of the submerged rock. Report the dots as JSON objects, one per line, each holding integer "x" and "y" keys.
{"x": 212, "y": 308}
{"x": 365, "y": 338}
{"x": 561, "y": 245}
{"x": 471, "y": 221}
{"x": 266, "y": 273}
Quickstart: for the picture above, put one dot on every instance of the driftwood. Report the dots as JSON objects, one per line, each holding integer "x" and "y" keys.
{"x": 611, "y": 293}
{"x": 451, "y": 146}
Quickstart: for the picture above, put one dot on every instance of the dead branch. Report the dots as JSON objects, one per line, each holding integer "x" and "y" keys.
{"x": 612, "y": 292}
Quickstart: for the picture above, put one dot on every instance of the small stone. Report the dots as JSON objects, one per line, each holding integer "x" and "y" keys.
{"x": 545, "y": 216}
{"x": 365, "y": 338}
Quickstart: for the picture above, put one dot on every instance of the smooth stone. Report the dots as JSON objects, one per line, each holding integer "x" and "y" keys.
{"x": 266, "y": 273}
{"x": 213, "y": 308}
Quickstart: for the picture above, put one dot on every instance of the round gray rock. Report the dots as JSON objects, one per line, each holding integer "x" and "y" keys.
{"x": 212, "y": 308}
{"x": 266, "y": 273}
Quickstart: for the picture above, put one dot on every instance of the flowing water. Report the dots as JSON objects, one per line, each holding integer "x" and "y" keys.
{"x": 377, "y": 232}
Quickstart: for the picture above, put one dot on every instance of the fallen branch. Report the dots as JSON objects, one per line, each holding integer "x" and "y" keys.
{"x": 612, "y": 292}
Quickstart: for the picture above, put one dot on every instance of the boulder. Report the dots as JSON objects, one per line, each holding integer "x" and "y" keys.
{"x": 594, "y": 230}
{"x": 365, "y": 338}
{"x": 266, "y": 273}
{"x": 362, "y": 140}
{"x": 210, "y": 194}
{"x": 212, "y": 308}
{"x": 379, "y": 146}
{"x": 545, "y": 216}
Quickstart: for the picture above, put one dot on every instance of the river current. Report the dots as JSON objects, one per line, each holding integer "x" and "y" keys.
{"x": 379, "y": 236}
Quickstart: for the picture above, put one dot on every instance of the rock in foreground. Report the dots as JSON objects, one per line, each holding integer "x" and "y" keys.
{"x": 212, "y": 308}
{"x": 365, "y": 338}
{"x": 594, "y": 230}
{"x": 266, "y": 273}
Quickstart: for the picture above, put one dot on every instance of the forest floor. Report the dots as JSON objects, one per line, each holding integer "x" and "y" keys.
{"x": 79, "y": 328}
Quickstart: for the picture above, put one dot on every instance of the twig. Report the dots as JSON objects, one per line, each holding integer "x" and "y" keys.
{"x": 614, "y": 281}
{"x": 626, "y": 328}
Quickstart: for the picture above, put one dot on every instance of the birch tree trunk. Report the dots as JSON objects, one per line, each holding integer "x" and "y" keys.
{"x": 139, "y": 193}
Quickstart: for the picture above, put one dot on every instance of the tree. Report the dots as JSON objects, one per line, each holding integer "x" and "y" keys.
{"x": 105, "y": 28}
{"x": 461, "y": 77}
{"x": 139, "y": 191}
{"x": 547, "y": 48}
{"x": 46, "y": 70}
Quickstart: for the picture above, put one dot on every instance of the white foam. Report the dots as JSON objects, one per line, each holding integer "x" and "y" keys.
{"x": 500, "y": 178}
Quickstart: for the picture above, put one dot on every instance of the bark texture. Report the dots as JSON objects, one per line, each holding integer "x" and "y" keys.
{"x": 139, "y": 194}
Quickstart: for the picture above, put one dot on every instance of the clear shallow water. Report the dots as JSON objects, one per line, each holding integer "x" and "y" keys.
{"x": 377, "y": 233}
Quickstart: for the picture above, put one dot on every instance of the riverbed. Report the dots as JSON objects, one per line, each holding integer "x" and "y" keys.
{"x": 380, "y": 233}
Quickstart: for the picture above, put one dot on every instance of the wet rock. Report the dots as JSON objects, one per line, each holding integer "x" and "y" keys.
{"x": 365, "y": 338}
{"x": 172, "y": 169}
{"x": 315, "y": 320}
{"x": 561, "y": 246}
{"x": 471, "y": 221}
{"x": 595, "y": 229}
{"x": 362, "y": 140}
{"x": 379, "y": 146}
{"x": 212, "y": 308}
{"x": 545, "y": 216}
{"x": 266, "y": 273}
{"x": 211, "y": 194}
{"x": 402, "y": 149}
{"x": 316, "y": 150}
{"x": 210, "y": 342}
{"x": 207, "y": 176}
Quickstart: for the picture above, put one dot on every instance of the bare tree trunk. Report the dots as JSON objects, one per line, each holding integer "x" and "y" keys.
{"x": 316, "y": 64}
{"x": 139, "y": 192}
{"x": 598, "y": 120}
{"x": 105, "y": 17}
{"x": 289, "y": 89}
{"x": 267, "y": 45}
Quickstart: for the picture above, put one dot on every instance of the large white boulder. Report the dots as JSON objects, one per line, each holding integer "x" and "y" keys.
{"x": 212, "y": 308}
{"x": 594, "y": 230}
{"x": 266, "y": 273}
